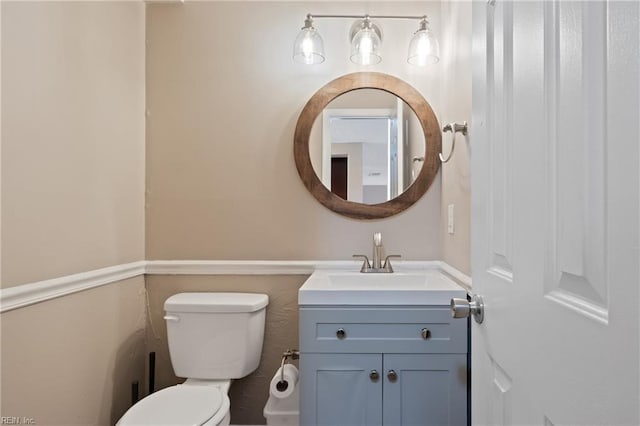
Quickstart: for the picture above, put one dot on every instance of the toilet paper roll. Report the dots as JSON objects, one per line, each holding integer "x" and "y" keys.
{"x": 280, "y": 389}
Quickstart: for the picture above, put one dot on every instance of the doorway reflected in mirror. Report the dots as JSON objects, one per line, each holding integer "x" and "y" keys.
{"x": 375, "y": 135}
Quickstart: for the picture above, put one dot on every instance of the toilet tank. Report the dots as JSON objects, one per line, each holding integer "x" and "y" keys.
{"x": 215, "y": 335}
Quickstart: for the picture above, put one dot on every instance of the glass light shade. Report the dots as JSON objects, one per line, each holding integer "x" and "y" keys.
{"x": 423, "y": 48}
{"x": 365, "y": 47}
{"x": 308, "y": 47}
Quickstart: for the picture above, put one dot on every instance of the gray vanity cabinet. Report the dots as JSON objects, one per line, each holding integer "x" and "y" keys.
{"x": 430, "y": 389}
{"x": 386, "y": 366}
{"x": 341, "y": 389}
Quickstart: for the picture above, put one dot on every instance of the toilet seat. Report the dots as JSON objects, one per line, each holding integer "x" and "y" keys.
{"x": 180, "y": 405}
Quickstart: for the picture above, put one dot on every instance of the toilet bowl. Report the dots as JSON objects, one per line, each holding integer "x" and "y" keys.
{"x": 213, "y": 338}
{"x": 196, "y": 404}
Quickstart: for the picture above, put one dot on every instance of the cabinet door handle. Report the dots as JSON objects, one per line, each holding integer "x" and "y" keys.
{"x": 392, "y": 376}
{"x": 341, "y": 334}
{"x": 425, "y": 333}
{"x": 374, "y": 376}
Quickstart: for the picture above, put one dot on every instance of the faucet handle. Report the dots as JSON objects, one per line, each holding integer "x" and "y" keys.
{"x": 366, "y": 265}
{"x": 387, "y": 263}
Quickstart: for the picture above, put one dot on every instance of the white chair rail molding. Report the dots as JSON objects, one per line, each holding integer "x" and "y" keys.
{"x": 27, "y": 294}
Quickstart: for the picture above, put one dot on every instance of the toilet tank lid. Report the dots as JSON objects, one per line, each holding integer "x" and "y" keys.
{"x": 216, "y": 302}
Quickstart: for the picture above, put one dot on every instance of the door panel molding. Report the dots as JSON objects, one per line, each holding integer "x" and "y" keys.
{"x": 500, "y": 134}
{"x": 579, "y": 305}
{"x": 575, "y": 88}
{"x": 501, "y": 387}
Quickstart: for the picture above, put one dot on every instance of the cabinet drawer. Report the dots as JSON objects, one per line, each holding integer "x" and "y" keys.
{"x": 382, "y": 330}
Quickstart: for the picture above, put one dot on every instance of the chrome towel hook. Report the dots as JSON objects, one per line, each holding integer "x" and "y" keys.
{"x": 453, "y": 128}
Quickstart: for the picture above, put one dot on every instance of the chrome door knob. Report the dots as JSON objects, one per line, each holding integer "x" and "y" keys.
{"x": 392, "y": 376}
{"x": 341, "y": 334}
{"x": 462, "y": 308}
{"x": 426, "y": 334}
{"x": 374, "y": 376}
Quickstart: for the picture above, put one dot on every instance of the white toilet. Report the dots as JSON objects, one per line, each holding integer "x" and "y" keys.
{"x": 213, "y": 338}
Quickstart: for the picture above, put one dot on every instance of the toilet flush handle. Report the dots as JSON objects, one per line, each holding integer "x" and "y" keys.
{"x": 173, "y": 318}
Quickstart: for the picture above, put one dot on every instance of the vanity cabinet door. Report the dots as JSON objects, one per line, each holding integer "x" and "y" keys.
{"x": 425, "y": 389}
{"x": 341, "y": 389}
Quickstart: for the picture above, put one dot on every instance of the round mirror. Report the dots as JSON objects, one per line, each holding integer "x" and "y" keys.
{"x": 366, "y": 145}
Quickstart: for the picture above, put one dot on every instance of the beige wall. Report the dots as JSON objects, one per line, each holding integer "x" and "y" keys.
{"x": 221, "y": 179}
{"x": 455, "y": 49}
{"x": 248, "y": 395}
{"x": 72, "y": 137}
{"x": 72, "y": 201}
{"x": 71, "y": 360}
{"x": 224, "y": 95}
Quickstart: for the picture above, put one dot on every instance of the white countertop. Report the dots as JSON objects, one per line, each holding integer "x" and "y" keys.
{"x": 340, "y": 287}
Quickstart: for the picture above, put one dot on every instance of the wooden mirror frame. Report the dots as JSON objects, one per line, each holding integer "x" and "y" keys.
{"x": 367, "y": 80}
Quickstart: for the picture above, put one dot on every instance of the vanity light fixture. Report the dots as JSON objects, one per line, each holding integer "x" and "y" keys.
{"x": 308, "y": 47}
{"x": 423, "y": 48}
{"x": 366, "y": 38}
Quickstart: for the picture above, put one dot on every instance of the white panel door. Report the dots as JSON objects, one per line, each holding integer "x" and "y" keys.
{"x": 556, "y": 222}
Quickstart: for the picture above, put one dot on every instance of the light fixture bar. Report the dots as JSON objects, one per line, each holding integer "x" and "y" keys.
{"x": 366, "y": 38}
{"x": 311, "y": 15}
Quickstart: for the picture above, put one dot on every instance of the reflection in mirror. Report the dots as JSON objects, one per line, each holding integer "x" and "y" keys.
{"x": 367, "y": 146}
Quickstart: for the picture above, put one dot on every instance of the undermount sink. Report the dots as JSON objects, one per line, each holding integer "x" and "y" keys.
{"x": 339, "y": 287}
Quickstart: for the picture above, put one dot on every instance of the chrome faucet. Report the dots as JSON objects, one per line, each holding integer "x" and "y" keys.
{"x": 377, "y": 246}
{"x": 377, "y": 265}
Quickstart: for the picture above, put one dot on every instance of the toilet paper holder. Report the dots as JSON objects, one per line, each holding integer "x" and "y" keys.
{"x": 286, "y": 355}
